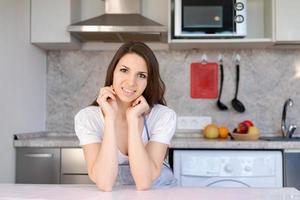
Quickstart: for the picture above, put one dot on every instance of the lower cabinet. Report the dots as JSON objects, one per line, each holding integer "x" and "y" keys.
{"x": 51, "y": 166}
{"x": 191, "y": 167}
{"x": 291, "y": 169}
{"x": 73, "y": 167}
{"x": 38, "y": 165}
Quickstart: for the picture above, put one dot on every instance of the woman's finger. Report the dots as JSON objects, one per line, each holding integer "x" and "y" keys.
{"x": 107, "y": 95}
{"x": 112, "y": 88}
{"x": 106, "y": 89}
{"x": 103, "y": 98}
{"x": 109, "y": 88}
{"x": 139, "y": 100}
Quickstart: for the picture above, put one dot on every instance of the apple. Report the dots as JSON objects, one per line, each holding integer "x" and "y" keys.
{"x": 248, "y": 123}
{"x": 242, "y": 128}
{"x": 253, "y": 130}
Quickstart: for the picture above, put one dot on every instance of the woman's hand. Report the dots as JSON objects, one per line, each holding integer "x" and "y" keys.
{"x": 107, "y": 102}
{"x": 137, "y": 109}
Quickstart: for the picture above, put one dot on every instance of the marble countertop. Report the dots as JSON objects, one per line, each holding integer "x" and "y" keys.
{"x": 90, "y": 192}
{"x": 192, "y": 141}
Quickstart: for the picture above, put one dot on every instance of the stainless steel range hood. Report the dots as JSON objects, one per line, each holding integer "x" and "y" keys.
{"x": 121, "y": 22}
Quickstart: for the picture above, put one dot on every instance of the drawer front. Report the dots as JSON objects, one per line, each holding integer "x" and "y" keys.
{"x": 72, "y": 161}
{"x": 75, "y": 179}
{"x": 38, "y": 165}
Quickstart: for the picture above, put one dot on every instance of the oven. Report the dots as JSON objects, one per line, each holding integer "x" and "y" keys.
{"x": 210, "y": 18}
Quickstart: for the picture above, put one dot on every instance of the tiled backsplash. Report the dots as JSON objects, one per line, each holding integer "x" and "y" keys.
{"x": 268, "y": 78}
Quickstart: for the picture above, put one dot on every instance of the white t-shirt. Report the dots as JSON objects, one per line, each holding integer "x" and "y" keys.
{"x": 161, "y": 124}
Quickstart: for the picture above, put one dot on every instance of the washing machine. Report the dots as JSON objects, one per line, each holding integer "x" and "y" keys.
{"x": 228, "y": 168}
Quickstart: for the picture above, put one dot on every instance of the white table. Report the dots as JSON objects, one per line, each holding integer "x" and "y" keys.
{"x": 90, "y": 192}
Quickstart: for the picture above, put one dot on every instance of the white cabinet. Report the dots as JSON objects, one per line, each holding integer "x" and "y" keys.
{"x": 49, "y": 22}
{"x": 287, "y": 21}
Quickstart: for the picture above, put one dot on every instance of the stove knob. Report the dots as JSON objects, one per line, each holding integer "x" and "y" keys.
{"x": 228, "y": 168}
{"x": 247, "y": 168}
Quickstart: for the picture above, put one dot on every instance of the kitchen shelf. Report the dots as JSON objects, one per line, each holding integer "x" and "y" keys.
{"x": 221, "y": 43}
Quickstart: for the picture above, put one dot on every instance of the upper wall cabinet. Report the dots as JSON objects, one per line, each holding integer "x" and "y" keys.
{"x": 49, "y": 21}
{"x": 260, "y": 27}
{"x": 287, "y": 19}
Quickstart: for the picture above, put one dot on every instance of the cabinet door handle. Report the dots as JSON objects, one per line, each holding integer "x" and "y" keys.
{"x": 39, "y": 155}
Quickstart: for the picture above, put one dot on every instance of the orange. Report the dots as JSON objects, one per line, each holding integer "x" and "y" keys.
{"x": 223, "y": 132}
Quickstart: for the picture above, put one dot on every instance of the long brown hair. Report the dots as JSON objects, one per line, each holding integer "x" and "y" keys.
{"x": 155, "y": 89}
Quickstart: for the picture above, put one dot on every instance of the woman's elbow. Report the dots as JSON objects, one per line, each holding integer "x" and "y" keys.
{"x": 104, "y": 187}
{"x": 145, "y": 185}
{"x": 142, "y": 187}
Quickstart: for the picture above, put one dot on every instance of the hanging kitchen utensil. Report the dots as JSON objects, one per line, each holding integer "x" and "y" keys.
{"x": 204, "y": 80}
{"x": 237, "y": 104}
{"x": 221, "y": 105}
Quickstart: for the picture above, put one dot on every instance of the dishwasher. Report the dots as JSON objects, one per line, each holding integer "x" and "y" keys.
{"x": 228, "y": 168}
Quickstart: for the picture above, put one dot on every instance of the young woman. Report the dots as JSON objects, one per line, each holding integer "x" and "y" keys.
{"x": 125, "y": 133}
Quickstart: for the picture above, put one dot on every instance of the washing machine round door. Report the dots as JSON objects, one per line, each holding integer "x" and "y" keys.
{"x": 227, "y": 183}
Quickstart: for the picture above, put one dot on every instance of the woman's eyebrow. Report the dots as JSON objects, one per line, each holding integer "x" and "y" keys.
{"x": 129, "y": 68}
{"x": 125, "y": 66}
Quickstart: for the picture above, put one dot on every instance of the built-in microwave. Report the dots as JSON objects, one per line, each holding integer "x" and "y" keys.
{"x": 209, "y": 18}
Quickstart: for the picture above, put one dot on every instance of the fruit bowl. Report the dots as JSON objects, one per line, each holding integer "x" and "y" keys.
{"x": 245, "y": 136}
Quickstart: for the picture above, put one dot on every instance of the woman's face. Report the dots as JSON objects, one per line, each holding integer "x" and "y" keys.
{"x": 130, "y": 77}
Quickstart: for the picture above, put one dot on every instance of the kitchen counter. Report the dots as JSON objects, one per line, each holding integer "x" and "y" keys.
{"x": 191, "y": 141}
{"x": 90, "y": 192}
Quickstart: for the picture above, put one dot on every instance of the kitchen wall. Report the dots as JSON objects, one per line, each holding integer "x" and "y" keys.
{"x": 22, "y": 82}
{"x": 268, "y": 77}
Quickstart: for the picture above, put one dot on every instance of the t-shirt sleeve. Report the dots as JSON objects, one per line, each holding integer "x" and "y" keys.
{"x": 88, "y": 126}
{"x": 164, "y": 127}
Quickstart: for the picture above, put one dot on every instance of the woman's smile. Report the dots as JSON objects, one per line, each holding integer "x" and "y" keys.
{"x": 128, "y": 92}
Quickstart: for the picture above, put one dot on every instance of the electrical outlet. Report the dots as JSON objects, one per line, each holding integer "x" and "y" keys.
{"x": 192, "y": 122}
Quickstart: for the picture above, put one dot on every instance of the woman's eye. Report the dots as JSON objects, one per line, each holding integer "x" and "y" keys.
{"x": 123, "y": 70}
{"x": 143, "y": 76}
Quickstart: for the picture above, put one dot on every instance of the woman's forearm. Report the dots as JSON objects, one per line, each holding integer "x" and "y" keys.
{"x": 142, "y": 167}
{"x": 105, "y": 168}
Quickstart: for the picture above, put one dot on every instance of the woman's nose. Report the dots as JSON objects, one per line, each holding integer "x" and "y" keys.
{"x": 132, "y": 80}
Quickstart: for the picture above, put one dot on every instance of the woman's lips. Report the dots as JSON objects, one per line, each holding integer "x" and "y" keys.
{"x": 128, "y": 92}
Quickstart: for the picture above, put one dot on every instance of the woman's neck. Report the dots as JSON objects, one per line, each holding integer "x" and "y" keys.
{"x": 122, "y": 107}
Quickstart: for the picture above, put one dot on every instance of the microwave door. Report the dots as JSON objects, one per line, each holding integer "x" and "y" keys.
{"x": 208, "y": 19}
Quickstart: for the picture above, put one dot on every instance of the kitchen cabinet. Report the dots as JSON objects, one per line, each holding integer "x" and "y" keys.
{"x": 51, "y": 165}
{"x": 38, "y": 165}
{"x": 287, "y": 21}
{"x": 49, "y": 21}
{"x": 291, "y": 168}
{"x": 73, "y": 167}
{"x": 260, "y": 29}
